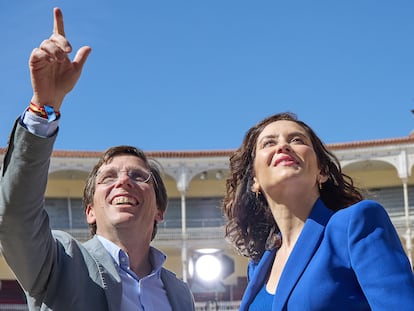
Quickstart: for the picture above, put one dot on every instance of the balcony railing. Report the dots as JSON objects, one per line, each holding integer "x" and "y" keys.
{"x": 166, "y": 234}
{"x": 11, "y": 307}
{"x": 200, "y": 306}
{"x": 220, "y": 306}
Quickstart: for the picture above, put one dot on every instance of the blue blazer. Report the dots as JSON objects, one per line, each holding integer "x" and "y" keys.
{"x": 349, "y": 260}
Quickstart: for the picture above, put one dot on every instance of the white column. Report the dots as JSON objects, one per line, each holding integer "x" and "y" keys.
{"x": 182, "y": 186}
{"x": 184, "y": 258}
{"x": 408, "y": 243}
{"x": 69, "y": 205}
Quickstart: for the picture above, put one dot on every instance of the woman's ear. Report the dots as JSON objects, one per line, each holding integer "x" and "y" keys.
{"x": 256, "y": 186}
{"x": 322, "y": 178}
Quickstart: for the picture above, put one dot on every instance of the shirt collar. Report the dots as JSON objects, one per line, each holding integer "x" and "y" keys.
{"x": 157, "y": 257}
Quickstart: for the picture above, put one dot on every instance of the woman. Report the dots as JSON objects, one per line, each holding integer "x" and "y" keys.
{"x": 313, "y": 241}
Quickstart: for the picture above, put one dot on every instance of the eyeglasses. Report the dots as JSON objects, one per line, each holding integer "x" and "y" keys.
{"x": 111, "y": 176}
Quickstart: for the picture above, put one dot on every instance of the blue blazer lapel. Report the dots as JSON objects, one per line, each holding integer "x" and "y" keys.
{"x": 256, "y": 278}
{"x": 305, "y": 247}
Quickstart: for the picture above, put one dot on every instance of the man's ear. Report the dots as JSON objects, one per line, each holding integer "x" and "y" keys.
{"x": 90, "y": 214}
{"x": 159, "y": 217}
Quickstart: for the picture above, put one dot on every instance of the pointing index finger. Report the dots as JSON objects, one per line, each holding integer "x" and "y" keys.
{"x": 58, "y": 27}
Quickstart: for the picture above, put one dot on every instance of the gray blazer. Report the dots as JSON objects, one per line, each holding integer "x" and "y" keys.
{"x": 56, "y": 271}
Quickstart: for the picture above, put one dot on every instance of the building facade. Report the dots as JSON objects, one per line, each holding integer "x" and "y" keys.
{"x": 196, "y": 183}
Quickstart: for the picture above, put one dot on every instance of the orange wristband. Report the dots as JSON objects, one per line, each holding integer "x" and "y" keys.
{"x": 46, "y": 112}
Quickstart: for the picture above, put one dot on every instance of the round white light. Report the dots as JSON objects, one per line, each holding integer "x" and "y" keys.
{"x": 208, "y": 267}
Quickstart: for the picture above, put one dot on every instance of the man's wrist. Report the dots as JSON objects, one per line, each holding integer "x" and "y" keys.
{"x": 46, "y": 112}
{"x": 38, "y": 125}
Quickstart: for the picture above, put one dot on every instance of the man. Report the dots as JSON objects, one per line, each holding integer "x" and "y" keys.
{"x": 124, "y": 200}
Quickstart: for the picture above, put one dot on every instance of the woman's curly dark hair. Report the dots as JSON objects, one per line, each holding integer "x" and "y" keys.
{"x": 250, "y": 226}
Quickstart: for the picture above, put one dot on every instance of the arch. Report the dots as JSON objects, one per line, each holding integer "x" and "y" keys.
{"x": 70, "y": 174}
{"x": 66, "y": 183}
{"x": 373, "y": 173}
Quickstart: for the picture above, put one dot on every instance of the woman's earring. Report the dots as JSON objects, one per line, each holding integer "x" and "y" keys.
{"x": 257, "y": 192}
{"x": 320, "y": 184}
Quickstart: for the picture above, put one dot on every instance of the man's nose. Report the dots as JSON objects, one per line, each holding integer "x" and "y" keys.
{"x": 123, "y": 177}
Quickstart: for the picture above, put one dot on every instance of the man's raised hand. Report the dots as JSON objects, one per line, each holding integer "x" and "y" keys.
{"x": 52, "y": 73}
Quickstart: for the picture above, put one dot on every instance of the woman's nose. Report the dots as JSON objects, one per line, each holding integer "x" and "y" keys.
{"x": 283, "y": 146}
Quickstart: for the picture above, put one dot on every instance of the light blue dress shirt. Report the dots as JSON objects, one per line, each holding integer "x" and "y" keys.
{"x": 38, "y": 125}
{"x": 147, "y": 293}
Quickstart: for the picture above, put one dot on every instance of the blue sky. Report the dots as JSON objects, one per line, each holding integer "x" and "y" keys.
{"x": 196, "y": 74}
